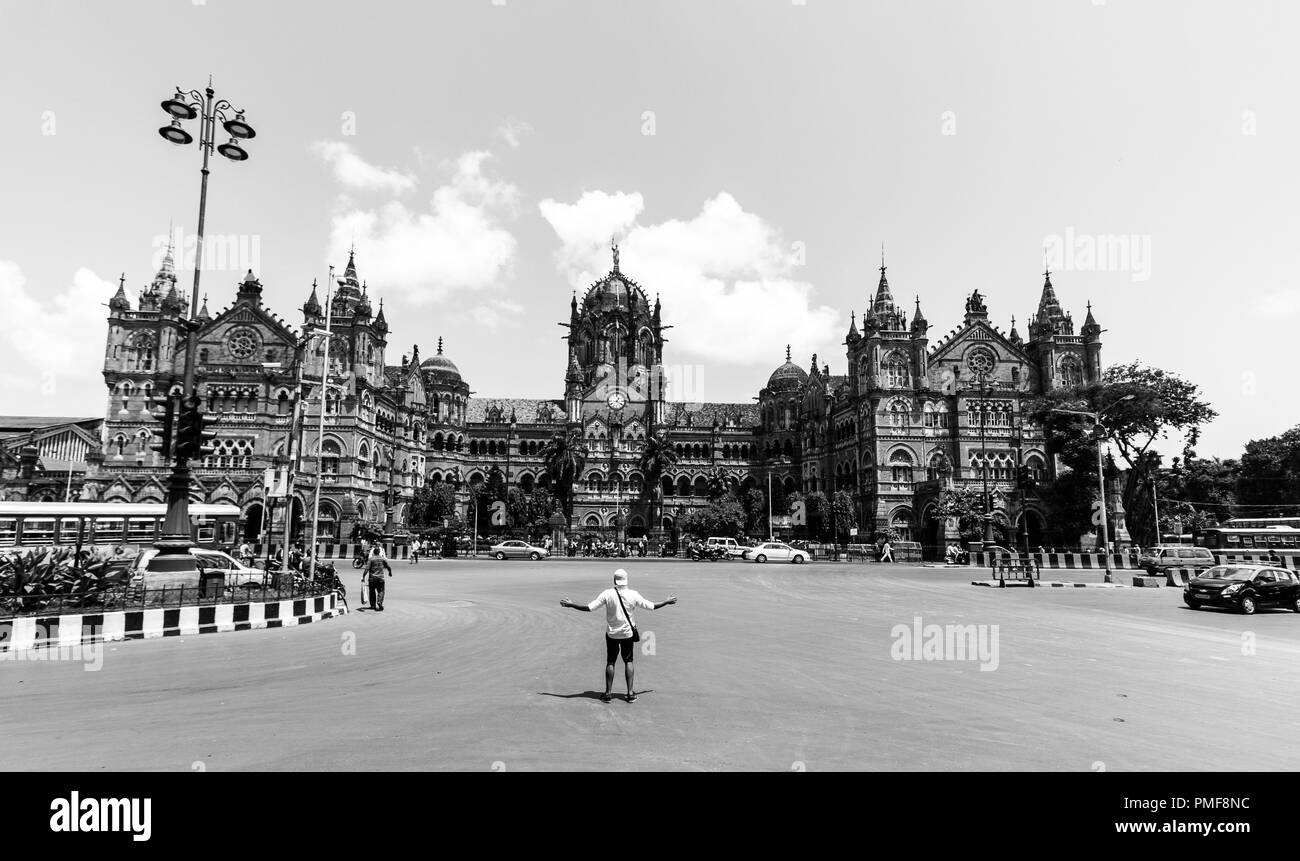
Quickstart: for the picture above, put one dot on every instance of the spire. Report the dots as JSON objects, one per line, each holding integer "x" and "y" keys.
{"x": 250, "y": 288}
{"x": 203, "y": 311}
{"x": 853, "y": 327}
{"x": 312, "y": 306}
{"x": 166, "y": 274}
{"x": 380, "y": 323}
{"x": 787, "y": 352}
{"x": 171, "y": 303}
{"x": 1091, "y": 330}
{"x": 883, "y": 306}
{"x": 1014, "y": 336}
{"x": 439, "y": 345}
{"x": 349, "y": 284}
{"x": 919, "y": 323}
{"x": 119, "y": 302}
{"x": 1048, "y": 305}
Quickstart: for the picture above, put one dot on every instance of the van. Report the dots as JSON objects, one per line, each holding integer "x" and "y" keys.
{"x": 1159, "y": 559}
{"x": 730, "y": 545}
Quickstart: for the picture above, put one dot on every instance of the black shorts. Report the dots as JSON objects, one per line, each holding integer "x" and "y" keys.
{"x": 613, "y": 647}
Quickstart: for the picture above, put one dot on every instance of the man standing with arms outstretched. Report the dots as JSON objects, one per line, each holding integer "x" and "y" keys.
{"x": 620, "y": 633}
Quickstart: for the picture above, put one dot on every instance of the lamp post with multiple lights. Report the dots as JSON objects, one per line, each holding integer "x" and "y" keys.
{"x": 173, "y": 546}
{"x": 1100, "y": 431}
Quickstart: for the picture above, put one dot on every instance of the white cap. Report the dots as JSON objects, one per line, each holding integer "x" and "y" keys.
{"x": 620, "y": 577}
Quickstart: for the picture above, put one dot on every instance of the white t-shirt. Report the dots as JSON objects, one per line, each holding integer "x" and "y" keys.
{"x": 618, "y": 627}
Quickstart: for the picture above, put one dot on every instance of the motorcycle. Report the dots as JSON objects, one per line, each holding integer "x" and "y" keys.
{"x": 708, "y": 554}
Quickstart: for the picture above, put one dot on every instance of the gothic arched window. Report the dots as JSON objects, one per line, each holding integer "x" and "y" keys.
{"x": 1071, "y": 372}
{"x": 894, "y": 370}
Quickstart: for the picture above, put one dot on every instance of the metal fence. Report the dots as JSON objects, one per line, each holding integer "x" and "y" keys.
{"x": 138, "y": 597}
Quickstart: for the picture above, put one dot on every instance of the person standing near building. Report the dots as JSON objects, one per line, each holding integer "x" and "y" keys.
{"x": 376, "y": 566}
{"x": 620, "y": 628}
{"x": 886, "y": 552}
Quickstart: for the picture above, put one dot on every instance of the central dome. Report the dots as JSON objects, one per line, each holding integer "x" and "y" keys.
{"x": 441, "y": 366}
{"x": 788, "y": 375}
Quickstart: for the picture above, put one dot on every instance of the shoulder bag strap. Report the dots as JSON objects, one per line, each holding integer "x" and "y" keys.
{"x": 624, "y": 606}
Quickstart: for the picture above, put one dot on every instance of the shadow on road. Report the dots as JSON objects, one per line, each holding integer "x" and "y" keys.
{"x": 588, "y": 695}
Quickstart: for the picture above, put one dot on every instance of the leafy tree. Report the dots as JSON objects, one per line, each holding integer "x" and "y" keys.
{"x": 754, "y": 502}
{"x": 1160, "y": 403}
{"x": 517, "y": 509}
{"x": 433, "y": 503}
{"x": 719, "y": 482}
{"x": 845, "y": 511}
{"x": 656, "y": 460}
{"x": 564, "y": 457}
{"x": 966, "y": 503}
{"x": 721, "y": 517}
{"x": 1269, "y": 481}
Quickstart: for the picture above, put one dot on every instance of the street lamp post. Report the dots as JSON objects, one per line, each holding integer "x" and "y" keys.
{"x": 771, "y": 529}
{"x": 173, "y": 557}
{"x": 1101, "y": 473}
{"x": 327, "y": 334}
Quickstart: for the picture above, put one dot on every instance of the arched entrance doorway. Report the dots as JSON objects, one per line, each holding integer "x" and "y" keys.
{"x": 253, "y": 526}
{"x": 295, "y": 520}
{"x": 1034, "y": 524}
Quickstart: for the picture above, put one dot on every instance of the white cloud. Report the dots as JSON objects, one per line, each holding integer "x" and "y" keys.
{"x": 491, "y": 315}
{"x": 54, "y": 341}
{"x": 352, "y": 171}
{"x": 457, "y": 244}
{"x": 512, "y": 131}
{"x": 726, "y": 276}
{"x": 1282, "y": 302}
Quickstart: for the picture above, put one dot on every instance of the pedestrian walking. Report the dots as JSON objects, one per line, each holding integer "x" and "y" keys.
{"x": 886, "y": 552}
{"x": 415, "y": 552}
{"x": 620, "y": 628}
{"x": 376, "y": 566}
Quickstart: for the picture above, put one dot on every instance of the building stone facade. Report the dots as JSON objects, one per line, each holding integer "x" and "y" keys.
{"x": 909, "y": 415}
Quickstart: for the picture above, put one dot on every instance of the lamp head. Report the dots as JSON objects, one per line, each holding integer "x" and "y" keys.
{"x": 233, "y": 151}
{"x": 179, "y": 108}
{"x": 175, "y": 134}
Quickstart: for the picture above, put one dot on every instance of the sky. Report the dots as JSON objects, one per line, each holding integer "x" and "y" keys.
{"x": 750, "y": 158}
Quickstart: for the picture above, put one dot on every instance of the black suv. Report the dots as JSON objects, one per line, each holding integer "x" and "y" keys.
{"x": 1245, "y": 588}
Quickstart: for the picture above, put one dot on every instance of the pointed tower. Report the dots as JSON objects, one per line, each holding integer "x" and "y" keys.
{"x": 119, "y": 304}
{"x": 204, "y": 315}
{"x": 920, "y": 345}
{"x": 1091, "y": 332}
{"x": 250, "y": 290}
{"x": 311, "y": 309}
{"x": 882, "y": 307}
{"x": 573, "y": 385}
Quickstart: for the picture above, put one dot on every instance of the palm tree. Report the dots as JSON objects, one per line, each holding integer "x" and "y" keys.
{"x": 564, "y": 457}
{"x": 657, "y": 458}
{"x": 719, "y": 482}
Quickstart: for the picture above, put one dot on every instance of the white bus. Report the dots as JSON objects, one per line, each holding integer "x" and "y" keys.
{"x": 123, "y": 524}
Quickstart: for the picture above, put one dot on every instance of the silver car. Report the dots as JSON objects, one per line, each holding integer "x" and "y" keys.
{"x": 515, "y": 549}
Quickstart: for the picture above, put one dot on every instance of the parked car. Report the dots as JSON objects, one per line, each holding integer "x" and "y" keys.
{"x": 1160, "y": 558}
{"x": 776, "y": 551}
{"x": 236, "y": 573}
{"x": 1245, "y": 588}
{"x": 730, "y": 546}
{"x": 515, "y": 549}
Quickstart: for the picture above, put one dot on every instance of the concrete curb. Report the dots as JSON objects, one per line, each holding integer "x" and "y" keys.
{"x": 1053, "y": 583}
{"x": 35, "y": 632}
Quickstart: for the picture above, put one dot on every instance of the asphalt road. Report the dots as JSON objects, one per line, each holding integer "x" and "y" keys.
{"x": 473, "y": 665}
